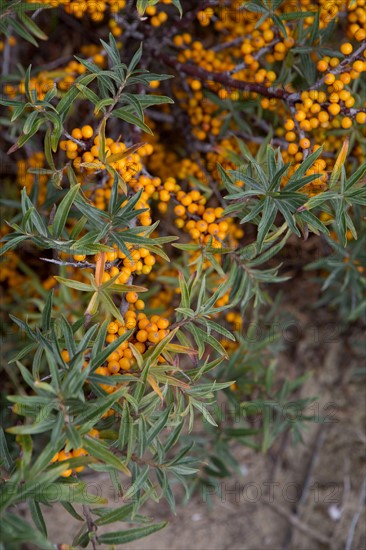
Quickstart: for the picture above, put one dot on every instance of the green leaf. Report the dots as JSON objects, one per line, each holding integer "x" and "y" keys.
{"x": 267, "y": 220}
{"x": 48, "y": 149}
{"x": 37, "y": 516}
{"x": 32, "y": 27}
{"x": 101, "y": 452}
{"x": 12, "y": 244}
{"x": 102, "y": 142}
{"x": 202, "y": 407}
{"x": 30, "y": 121}
{"x": 141, "y": 6}
{"x": 63, "y": 210}
{"x": 4, "y": 451}
{"x": 46, "y": 312}
{"x": 113, "y": 516}
{"x": 71, "y": 95}
{"x": 135, "y": 60}
{"x": 93, "y": 411}
{"x": 110, "y": 306}
{"x": 158, "y": 426}
{"x": 77, "y": 285}
{"x": 66, "y": 492}
{"x": 123, "y": 537}
{"x": 185, "y": 297}
{"x": 132, "y": 119}
{"x": 178, "y": 5}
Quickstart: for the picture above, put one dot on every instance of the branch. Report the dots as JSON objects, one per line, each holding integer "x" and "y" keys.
{"x": 206, "y": 76}
{"x": 356, "y": 517}
{"x": 300, "y": 525}
{"x": 91, "y": 525}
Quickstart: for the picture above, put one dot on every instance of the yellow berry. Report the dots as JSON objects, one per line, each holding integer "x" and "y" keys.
{"x": 346, "y": 48}
{"x": 346, "y": 122}
{"x": 87, "y": 131}
{"x": 132, "y": 297}
{"x": 304, "y": 143}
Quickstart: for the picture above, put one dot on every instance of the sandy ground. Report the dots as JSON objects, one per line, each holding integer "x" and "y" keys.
{"x": 295, "y": 498}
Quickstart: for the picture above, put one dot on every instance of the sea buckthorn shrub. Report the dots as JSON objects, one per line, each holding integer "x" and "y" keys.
{"x": 159, "y": 164}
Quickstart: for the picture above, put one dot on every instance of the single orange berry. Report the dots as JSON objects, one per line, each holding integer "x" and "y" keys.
{"x": 132, "y": 297}
{"x": 346, "y": 48}
{"x": 346, "y": 122}
{"x": 304, "y": 143}
{"x": 87, "y": 131}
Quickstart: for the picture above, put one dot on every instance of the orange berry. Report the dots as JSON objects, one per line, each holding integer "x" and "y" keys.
{"x": 322, "y": 66}
{"x": 87, "y": 132}
{"x": 65, "y": 355}
{"x": 76, "y": 133}
{"x": 289, "y": 124}
{"x": 72, "y": 146}
{"x": 329, "y": 79}
{"x": 162, "y": 323}
{"x": 142, "y": 335}
{"x": 290, "y": 136}
{"x": 143, "y": 323}
{"x": 292, "y": 148}
{"x": 88, "y": 157}
{"x": 304, "y": 143}
{"x": 201, "y": 225}
{"x": 112, "y": 328}
{"x": 358, "y": 66}
{"x": 153, "y": 337}
{"x": 113, "y": 367}
{"x": 79, "y": 257}
{"x": 323, "y": 116}
{"x": 346, "y": 122}
{"x": 196, "y": 85}
{"x": 346, "y": 48}
{"x": 334, "y": 109}
{"x": 209, "y": 217}
{"x": 361, "y": 118}
{"x": 300, "y": 115}
{"x": 125, "y": 364}
{"x": 179, "y": 210}
{"x": 149, "y": 260}
{"x": 140, "y": 346}
{"x": 132, "y": 297}
{"x": 54, "y": 458}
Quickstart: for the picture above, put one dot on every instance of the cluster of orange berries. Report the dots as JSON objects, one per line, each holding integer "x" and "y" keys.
{"x": 26, "y": 179}
{"x": 115, "y": 28}
{"x": 95, "y": 9}
{"x": 146, "y": 333}
{"x": 321, "y": 167}
{"x": 11, "y": 40}
{"x": 203, "y": 224}
{"x": 63, "y": 455}
{"x": 205, "y": 16}
{"x": 85, "y": 154}
{"x": 339, "y": 97}
{"x": 9, "y": 271}
{"x": 157, "y": 18}
{"x": 121, "y": 266}
{"x": 62, "y": 78}
{"x": 356, "y": 18}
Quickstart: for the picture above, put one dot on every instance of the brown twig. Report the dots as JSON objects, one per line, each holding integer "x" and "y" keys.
{"x": 91, "y": 525}
{"x": 311, "y": 532}
{"x": 206, "y": 76}
{"x": 306, "y": 483}
{"x": 356, "y": 517}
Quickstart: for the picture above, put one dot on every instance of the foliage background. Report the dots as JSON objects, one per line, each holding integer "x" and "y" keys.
{"x": 228, "y": 137}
